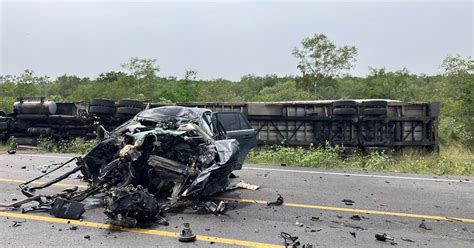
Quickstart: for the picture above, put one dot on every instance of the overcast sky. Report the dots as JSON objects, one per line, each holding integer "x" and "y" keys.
{"x": 227, "y": 40}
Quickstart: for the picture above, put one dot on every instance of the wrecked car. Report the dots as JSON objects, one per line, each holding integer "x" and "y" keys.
{"x": 161, "y": 160}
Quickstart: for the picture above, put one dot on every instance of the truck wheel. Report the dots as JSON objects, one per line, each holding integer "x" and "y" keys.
{"x": 344, "y": 111}
{"x": 3, "y": 125}
{"x": 102, "y": 102}
{"x": 128, "y": 110}
{"x": 101, "y": 110}
{"x": 130, "y": 103}
{"x": 375, "y": 104}
{"x": 345, "y": 103}
{"x": 375, "y": 111}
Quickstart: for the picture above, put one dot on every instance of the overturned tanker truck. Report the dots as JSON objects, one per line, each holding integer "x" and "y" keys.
{"x": 161, "y": 160}
{"x": 367, "y": 125}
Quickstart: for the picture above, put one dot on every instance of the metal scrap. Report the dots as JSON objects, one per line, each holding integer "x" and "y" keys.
{"x": 279, "y": 201}
{"x": 186, "y": 234}
{"x": 289, "y": 241}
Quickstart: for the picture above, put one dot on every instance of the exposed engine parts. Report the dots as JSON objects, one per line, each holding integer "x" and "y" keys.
{"x": 161, "y": 160}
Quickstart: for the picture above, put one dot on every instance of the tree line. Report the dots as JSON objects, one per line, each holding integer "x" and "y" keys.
{"x": 322, "y": 65}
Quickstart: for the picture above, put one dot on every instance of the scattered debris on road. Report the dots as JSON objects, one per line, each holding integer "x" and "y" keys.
{"x": 423, "y": 226}
{"x": 408, "y": 240}
{"x": 290, "y": 241}
{"x": 186, "y": 234}
{"x": 355, "y": 217}
{"x": 279, "y": 201}
{"x": 315, "y": 218}
{"x": 348, "y": 202}
{"x": 17, "y": 223}
{"x": 384, "y": 237}
{"x": 162, "y": 160}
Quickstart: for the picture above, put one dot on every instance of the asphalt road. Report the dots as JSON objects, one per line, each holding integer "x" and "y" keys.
{"x": 395, "y": 204}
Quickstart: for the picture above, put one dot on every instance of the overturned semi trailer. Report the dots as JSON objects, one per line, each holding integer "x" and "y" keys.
{"x": 367, "y": 124}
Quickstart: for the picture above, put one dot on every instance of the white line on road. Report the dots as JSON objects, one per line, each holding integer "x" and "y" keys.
{"x": 304, "y": 171}
{"x": 42, "y": 156}
{"x": 356, "y": 175}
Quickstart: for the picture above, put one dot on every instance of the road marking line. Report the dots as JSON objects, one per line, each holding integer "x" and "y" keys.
{"x": 357, "y": 175}
{"x": 136, "y": 230}
{"x": 352, "y": 210}
{"x": 298, "y": 205}
{"x": 41, "y": 156}
{"x": 6, "y": 180}
{"x": 306, "y": 172}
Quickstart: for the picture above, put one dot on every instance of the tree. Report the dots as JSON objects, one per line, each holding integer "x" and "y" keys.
{"x": 190, "y": 75}
{"x": 143, "y": 69}
{"x": 320, "y": 60}
{"x": 457, "y": 64}
{"x": 110, "y": 76}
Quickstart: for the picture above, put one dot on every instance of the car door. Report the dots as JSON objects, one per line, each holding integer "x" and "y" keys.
{"x": 238, "y": 127}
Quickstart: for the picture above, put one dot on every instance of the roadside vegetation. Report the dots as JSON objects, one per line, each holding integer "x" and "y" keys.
{"x": 452, "y": 160}
{"x": 77, "y": 145}
{"x": 323, "y": 67}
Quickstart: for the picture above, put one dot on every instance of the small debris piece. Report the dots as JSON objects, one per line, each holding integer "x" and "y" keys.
{"x": 67, "y": 209}
{"x": 186, "y": 234}
{"x": 23, "y": 167}
{"x": 356, "y": 217}
{"x": 17, "y": 223}
{"x": 299, "y": 224}
{"x": 423, "y": 226}
{"x": 282, "y": 164}
{"x": 88, "y": 237}
{"x": 315, "y": 218}
{"x": 11, "y": 152}
{"x": 290, "y": 241}
{"x": 244, "y": 185}
{"x": 73, "y": 228}
{"x": 214, "y": 208}
{"x": 353, "y": 234}
{"x": 279, "y": 201}
{"x": 348, "y": 202}
{"x": 383, "y": 237}
{"x": 353, "y": 226}
{"x": 408, "y": 240}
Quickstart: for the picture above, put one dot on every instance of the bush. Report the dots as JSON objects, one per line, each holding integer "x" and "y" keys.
{"x": 77, "y": 145}
{"x": 453, "y": 160}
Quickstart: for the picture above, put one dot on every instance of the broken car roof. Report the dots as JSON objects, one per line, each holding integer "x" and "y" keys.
{"x": 175, "y": 114}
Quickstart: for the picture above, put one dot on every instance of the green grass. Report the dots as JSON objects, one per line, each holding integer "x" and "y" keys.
{"x": 77, "y": 145}
{"x": 3, "y": 148}
{"x": 453, "y": 160}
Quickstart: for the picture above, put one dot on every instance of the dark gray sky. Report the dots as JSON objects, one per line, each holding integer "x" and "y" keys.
{"x": 227, "y": 39}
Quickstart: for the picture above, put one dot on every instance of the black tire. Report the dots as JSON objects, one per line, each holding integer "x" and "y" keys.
{"x": 344, "y": 111}
{"x": 3, "y": 125}
{"x": 345, "y": 103}
{"x": 375, "y": 111}
{"x": 124, "y": 117}
{"x": 375, "y": 104}
{"x": 102, "y": 102}
{"x": 130, "y": 103}
{"x": 101, "y": 110}
{"x": 128, "y": 110}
